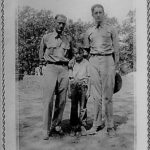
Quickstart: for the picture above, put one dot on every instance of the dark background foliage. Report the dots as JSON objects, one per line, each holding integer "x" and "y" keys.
{"x": 33, "y": 24}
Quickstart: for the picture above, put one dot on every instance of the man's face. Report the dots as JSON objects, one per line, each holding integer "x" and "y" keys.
{"x": 60, "y": 24}
{"x": 98, "y": 14}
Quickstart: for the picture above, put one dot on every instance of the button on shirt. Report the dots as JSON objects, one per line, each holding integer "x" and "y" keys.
{"x": 100, "y": 39}
{"x": 54, "y": 48}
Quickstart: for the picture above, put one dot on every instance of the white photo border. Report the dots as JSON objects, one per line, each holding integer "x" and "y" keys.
{"x": 3, "y": 73}
{"x": 4, "y": 78}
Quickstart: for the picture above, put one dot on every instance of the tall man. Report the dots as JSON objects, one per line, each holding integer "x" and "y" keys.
{"x": 55, "y": 50}
{"x": 101, "y": 41}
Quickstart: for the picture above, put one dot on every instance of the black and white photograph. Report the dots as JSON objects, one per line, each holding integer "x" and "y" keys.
{"x": 76, "y": 81}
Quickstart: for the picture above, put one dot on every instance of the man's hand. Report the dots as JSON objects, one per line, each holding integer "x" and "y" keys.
{"x": 71, "y": 80}
{"x": 42, "y": 61}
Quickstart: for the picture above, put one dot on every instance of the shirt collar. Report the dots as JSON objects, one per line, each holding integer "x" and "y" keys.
{"x": 56, "y": 34}
{"x": 81, "y": 61}
{"x": 99, "y": 26}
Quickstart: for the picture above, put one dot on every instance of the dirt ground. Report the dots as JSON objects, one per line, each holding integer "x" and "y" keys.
{"x": 29, "y": 120}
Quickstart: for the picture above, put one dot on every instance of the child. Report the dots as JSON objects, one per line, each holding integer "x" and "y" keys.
{"x": 79, "y": 86}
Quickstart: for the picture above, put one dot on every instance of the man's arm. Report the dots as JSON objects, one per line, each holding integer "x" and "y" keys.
{"x": 86, "y": 42}
{"x": 42, "y": 50}
{"x": 89, "y": 79}
{"x": 69, "y": 52}
{"x": 70, "y": 67}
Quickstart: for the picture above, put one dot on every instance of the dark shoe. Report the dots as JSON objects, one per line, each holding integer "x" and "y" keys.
{"x": 46, "y": 135}
{"x": 59, "y": 130}
{"x": 72, "y": 133}
{"x": 83, "y": 131}
{"x": 74, "y": 130}
{"x": 94, "y": 130}
{"x": 100, "y": 127}
{"x": 111, "y": 132}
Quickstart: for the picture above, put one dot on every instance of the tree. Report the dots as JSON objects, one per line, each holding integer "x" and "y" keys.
{"x": 128, "y": 42}
{"x": 33, "y": 24}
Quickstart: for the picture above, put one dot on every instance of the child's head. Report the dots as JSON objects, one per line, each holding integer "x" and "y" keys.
{"x": 78, "y": 52}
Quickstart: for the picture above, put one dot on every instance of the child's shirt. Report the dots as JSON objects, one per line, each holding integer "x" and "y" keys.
{"x": 80, "y": 70}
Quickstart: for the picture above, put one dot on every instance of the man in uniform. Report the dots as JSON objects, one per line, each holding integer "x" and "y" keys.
{"x": 55, "y": 50}
{"x": 101, "y": 41}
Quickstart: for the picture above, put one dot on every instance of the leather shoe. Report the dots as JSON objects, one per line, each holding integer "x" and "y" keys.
{"x": 46, "y": 135}
{"x": 111, "y": 132}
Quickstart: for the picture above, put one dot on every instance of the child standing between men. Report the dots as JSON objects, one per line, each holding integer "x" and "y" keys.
{"x": 79, "y": 87}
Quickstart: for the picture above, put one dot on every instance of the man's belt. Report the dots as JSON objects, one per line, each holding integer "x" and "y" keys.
{"x": 58, "y": 63}
{"x": 101, "y": 54}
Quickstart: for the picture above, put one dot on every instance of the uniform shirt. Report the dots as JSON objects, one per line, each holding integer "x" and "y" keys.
{"x": 101, "y": 40}
{"x": 81, "y": 70}
{"x": 54, "y": 48}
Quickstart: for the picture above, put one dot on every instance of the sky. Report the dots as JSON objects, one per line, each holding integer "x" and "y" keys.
{"x": 81, "y": 9}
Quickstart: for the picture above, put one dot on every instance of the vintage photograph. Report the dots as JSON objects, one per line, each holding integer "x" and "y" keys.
{"x": 75, "y": 69}
{"x": 75, "y": 75}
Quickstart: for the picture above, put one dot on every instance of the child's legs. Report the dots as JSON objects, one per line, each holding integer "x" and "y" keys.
{"x": 83, "y": 102}
{"x": 74, "y": 105}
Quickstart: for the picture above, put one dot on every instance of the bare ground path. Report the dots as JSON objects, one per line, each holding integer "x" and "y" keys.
{"x": 29, "y": 108}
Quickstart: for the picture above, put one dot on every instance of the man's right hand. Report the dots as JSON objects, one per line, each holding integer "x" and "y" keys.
{"x": 42, "y": 61}
{"x": 71, "y": 80}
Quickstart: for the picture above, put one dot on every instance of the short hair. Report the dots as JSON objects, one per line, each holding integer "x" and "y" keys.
{"x": 62, "y": 16}
{"x": 97, "y": 5}
{"x": 78, "y": 47}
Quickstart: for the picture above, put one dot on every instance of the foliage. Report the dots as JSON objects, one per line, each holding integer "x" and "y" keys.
{"x": 33, "y": 24}
{"x": 128, "y": 43}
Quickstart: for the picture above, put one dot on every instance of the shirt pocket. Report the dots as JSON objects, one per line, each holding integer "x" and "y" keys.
{"x": 50, "y": 48}
{"x": 51, "y": 44}
{"x": 106, "y": 36}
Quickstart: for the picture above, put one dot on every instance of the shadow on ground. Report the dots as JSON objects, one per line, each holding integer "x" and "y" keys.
{"x": 118, "y": 120}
